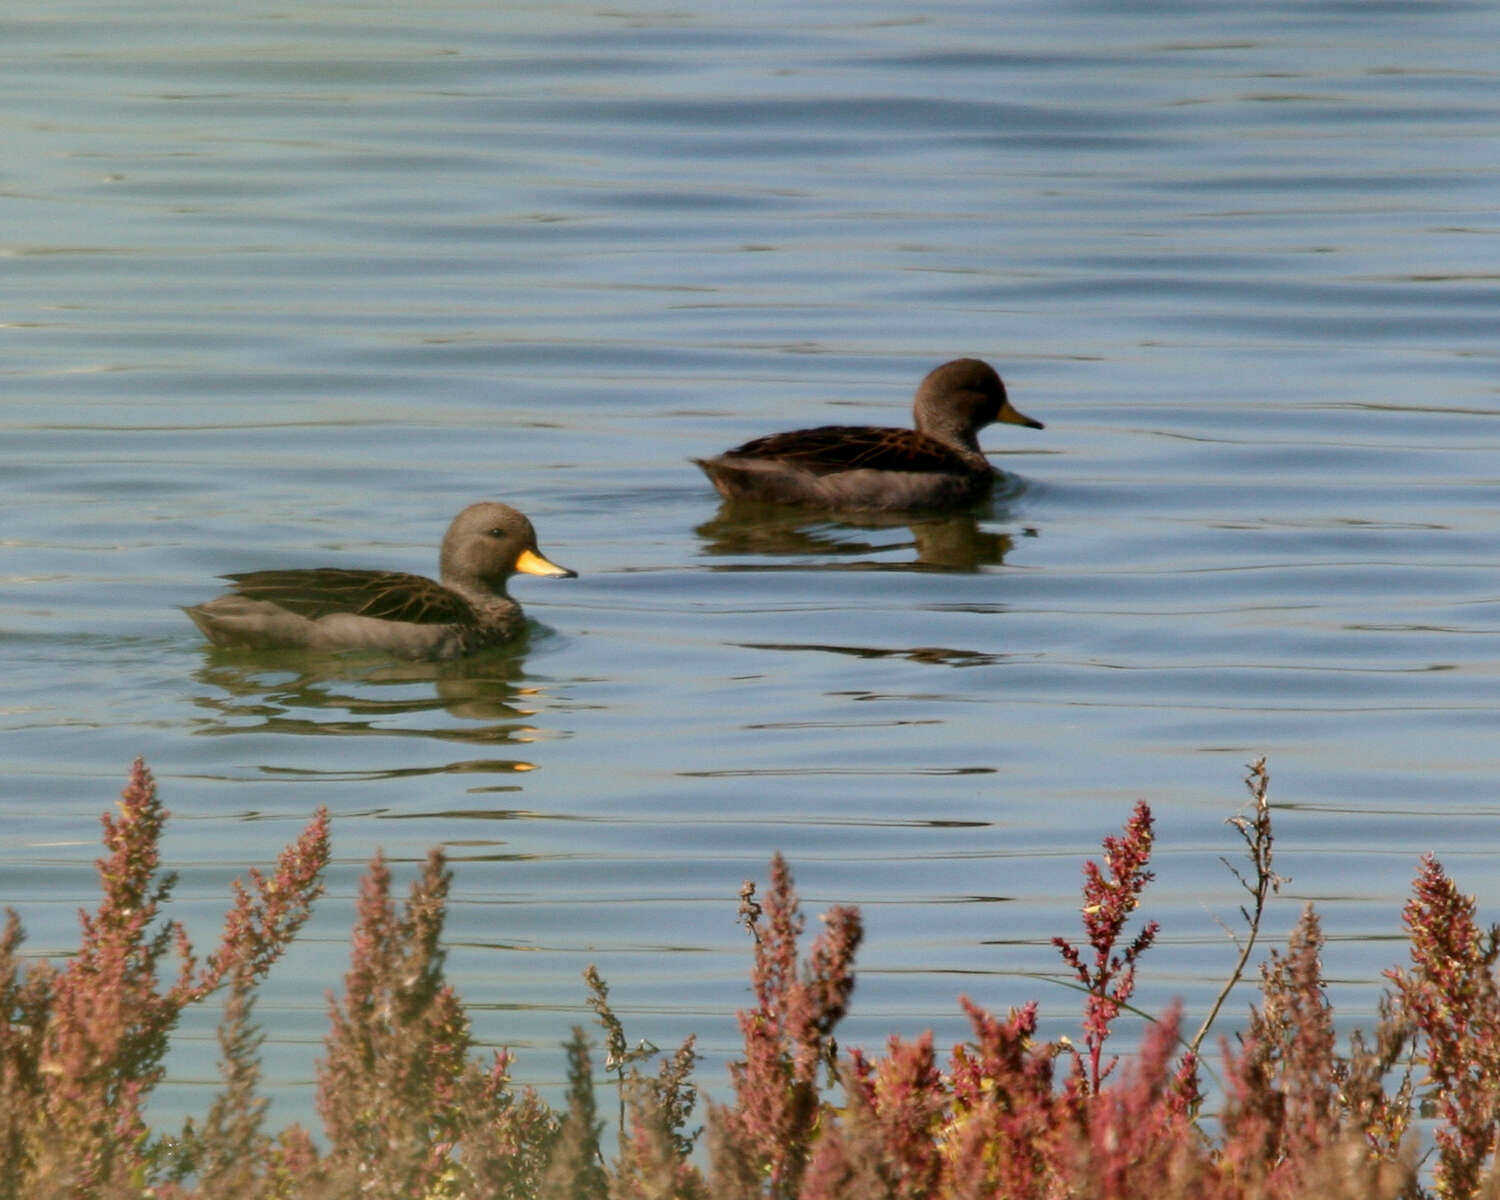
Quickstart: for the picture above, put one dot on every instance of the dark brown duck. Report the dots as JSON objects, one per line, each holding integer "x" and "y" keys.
{"x": 937, "y": 465}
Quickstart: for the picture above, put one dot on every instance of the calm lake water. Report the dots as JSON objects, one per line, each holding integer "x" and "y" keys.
{"x": 293, "y": 286}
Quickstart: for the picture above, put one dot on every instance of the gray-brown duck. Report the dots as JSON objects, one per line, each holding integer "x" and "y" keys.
{"x": 410, "y": 616}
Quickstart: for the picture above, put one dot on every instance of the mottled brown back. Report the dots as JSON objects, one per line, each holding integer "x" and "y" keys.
{"x": 830, "y": 448}
{"x": 387, "y": 595}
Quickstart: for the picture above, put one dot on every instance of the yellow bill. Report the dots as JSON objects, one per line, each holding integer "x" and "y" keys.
{"x": 532, "y": 562}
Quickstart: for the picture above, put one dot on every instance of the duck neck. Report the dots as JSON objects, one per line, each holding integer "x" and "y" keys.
{"x": 483, "y": 597}
{"x": 963, "y": 440}
{"x": 950, "y": 429}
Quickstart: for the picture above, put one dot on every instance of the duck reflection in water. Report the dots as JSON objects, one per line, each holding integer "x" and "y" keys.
{"x": 301, "y": 692}
{"x": 864, "y": 542}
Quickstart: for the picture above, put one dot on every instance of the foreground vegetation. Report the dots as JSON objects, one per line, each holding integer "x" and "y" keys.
{"x": 410, "y": 1111}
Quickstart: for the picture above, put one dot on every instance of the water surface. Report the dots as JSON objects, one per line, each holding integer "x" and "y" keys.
{"x": 292, "y": 288}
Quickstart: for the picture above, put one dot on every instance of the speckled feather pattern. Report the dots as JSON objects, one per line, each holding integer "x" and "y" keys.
{"x": 385, "y": 595}
{"x": 830, "y": 448}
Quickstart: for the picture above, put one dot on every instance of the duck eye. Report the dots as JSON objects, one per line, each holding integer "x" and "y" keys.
{"x": 495, "y": 532}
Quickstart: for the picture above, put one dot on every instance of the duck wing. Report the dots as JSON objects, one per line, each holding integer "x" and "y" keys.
{"x": 831, "y": 448}
{"x": 384, "y": 595}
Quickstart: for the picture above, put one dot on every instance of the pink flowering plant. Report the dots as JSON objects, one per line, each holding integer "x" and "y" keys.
{"x": 81, "y": 1046}
{"x": 410, "y": 1109}
{"x": 1110, "y": 896}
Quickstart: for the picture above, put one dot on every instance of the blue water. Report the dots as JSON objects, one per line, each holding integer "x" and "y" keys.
{"x": 292, "y": 287}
